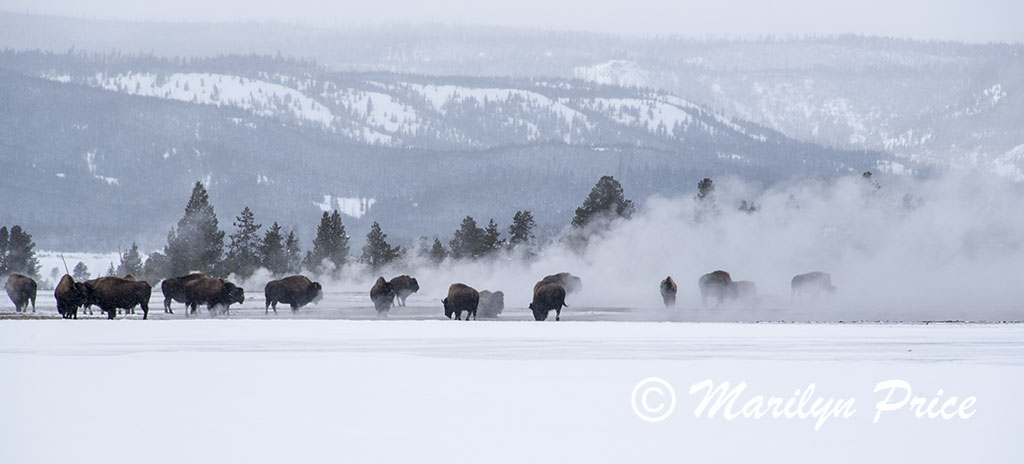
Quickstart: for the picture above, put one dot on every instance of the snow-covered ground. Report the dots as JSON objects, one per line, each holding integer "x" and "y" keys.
{"x": 399, "y": 390}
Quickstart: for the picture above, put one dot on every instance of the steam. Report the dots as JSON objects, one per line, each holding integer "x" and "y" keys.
{"x": 949, "y": 248}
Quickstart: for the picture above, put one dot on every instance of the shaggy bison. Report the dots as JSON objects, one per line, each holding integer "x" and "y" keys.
{"x": 719, "y": 285}
{"x": 491, "y": 303}
{"x": 383, "y": 296}
{"x": 113, "y": 293}
{"x": 813, "y": 284}
{"x": 404, "y": 286}
{"x": 70, "y": 296}
{"x": 461, "y": 297}
{"x": 214, "y": 293}
{"x": 297, "y": 291}
{"x": 668, "y": 291}
{"x": 545, "y": 298}
{"x": 174, "y": 289}
{"x": 569, "y": 282}
{"x": 21, "y": 289}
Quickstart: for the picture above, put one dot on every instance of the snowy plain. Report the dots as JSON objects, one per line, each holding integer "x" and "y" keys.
{"x": 323, "y": 386}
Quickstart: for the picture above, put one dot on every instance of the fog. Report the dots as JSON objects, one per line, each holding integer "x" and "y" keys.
{"x": 949, "y": 248}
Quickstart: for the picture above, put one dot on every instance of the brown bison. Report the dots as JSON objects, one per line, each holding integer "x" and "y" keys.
{"x": 813, "y": 284}
{"x": 668, "y": 291}
{"x": 383, "y": 296}
{"x": 216, "y": 294}
{"x": 174, "y": 289}
{"x": 70, "y": 296}
{"x": 113, "y": 293}
{"x": 461, "y": 297}
{"x": 719, "y": 285}
{"x": 296, "y": 290}
{"x": 744, "y": 290}
{"x": 545, "y": 298}
{"x": 491, "y": 303}
{"x": 21, "y": 289}
{"x": 404, "y": 286}
{"x": 569, "y": 282}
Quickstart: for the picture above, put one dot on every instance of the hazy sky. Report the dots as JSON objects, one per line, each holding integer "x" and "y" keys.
{"x": 968, "y": 20}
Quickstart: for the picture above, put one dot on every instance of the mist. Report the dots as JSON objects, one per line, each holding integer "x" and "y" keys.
{"x": 946, "y": 248}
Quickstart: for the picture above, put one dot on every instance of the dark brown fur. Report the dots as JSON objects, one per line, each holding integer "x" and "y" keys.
{"x": 174, "y": 289}
{"x": 113, "y": 293}
{"x": 21, "y": 289}
{"x": 213, "y": 293}
{"x": 383, "y": 296}
{"x": 668, "y": 291}
{"x": 461, "y": 298}
{"x": 547, "y": 297}
{"x": 295, "y": 290}
{"x": 70, "y": 296}
{"x": 404, "y": 286}
{"x": 569, "y": 282}
{"x": 491, "y": 303}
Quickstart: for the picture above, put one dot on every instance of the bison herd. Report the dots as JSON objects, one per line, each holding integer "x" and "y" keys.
{"x": 111, "y": 294}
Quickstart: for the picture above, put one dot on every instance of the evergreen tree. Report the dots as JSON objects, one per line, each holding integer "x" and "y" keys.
{"x": 521, "y": 231}
{"x": 705, "y": 198}
{"x": 5, "y": 241}
{"x": 131, "y": 262}
{"x": 468, "y": 241}
{"x": 492, "y": 240}
{"x": 749, "y": 208}
{"x": 197, "y": 243}
{"x": 330, "y": 244}
{"x": 272, "y": 253}
{"x": 111, "y": 271}
{"x": 155, "y": 268}
{"x": 378, "y": 252}
{"x": 292, "y": 254}
{"x": 81, "y": 272}
{"x": 437, "y": 252}
{"x": 21, "y": 254}
{"x": 606, "y": 199}
{"x": 243, "y": 256}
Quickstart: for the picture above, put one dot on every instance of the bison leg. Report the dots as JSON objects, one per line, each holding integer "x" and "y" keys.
{"x": 145, "y": 310}
{"x": 558, "y": 313}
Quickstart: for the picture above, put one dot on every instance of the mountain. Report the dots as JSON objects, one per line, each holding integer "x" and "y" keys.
{"x": 940, "y": 103}
{"x": 111, "y": 144}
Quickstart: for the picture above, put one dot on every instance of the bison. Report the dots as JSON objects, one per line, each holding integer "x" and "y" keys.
{"x": 297, "y": 291}
{"x": 383, "y": 296}
{"x": 21, "y": 289}
{"x": 461, "y": 297}
{"x": 113, "y": 293}
{"x": 404, "y": 286}
{"x": 174, "y": 289}
{"x": 569, "y": 282}
{"x": 214, "y": 293}
{"x": 744, "y": 290}
{"x": 813, "y": 284}
{"x": 491, "y": 303}
{"x": 668, "y": 291}
{"x": 70, "y": 296}
{"x": 719, "y": 285}
{"x": 545, "y": 298}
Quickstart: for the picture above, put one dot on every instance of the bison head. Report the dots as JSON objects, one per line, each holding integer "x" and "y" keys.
{"x": 235, "y": 293}
{"x": 447, "y": 309}
{"x": 317, "y": 292}
{"x": 414, "y": 285}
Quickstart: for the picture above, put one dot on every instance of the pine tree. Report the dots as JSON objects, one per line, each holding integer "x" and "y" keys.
{"x": 81, "y": 272}
{"x": 705, "y": 189}
{"x": 131, "y": 262}
{"x": 111, "y": 271}
{"x": 292, "y": 254}
{"x": 330, "y": 244}
{"x": 492, "y": 240}
{"x": 197, "y": 243}
{"x": 5, "y": 241}
{"x": 437, "y": 252}
{"x": 378, "y": 252}
{"x": 21, "y": 254}
{"x": 155, "y": 268}
{"x": 272, "y": 253}
{"x": 243, "y": 256}
{"x": 705, "y": 198}
{"x": 521, "y": 231}
{"x": 606, "y": 200}
{"x": 468, "y": 240}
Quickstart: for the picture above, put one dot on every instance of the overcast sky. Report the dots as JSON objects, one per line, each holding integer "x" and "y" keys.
{"x": 967, "y": 20}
